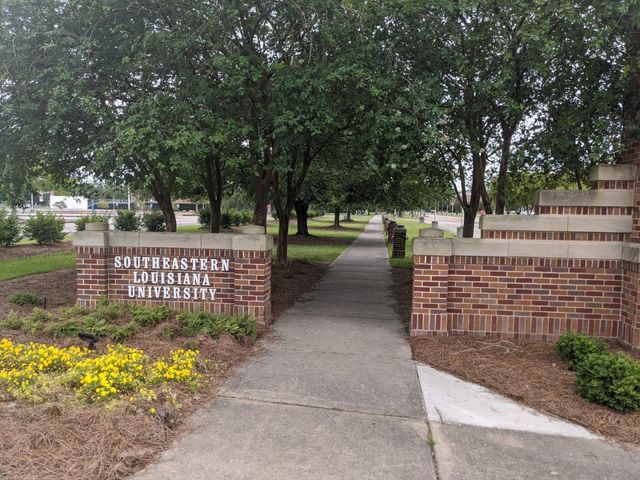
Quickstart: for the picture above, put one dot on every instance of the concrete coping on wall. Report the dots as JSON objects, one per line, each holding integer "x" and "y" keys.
{"x": 619, "y": 172}
{"x": 584, "y": 198}
{"x": 475, "y": 247}
{"x": 214, "y": 241}
{"x": 558, "y": 223}
{"x": 431, "y": 232}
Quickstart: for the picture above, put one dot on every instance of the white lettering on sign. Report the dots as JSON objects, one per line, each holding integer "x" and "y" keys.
{"x": 188, "y": 277}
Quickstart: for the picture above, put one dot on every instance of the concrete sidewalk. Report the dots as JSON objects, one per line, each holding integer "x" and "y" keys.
{"x": 335, "y": 395}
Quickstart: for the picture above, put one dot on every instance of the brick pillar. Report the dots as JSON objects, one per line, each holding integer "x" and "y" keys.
{"x": 430, "y": 291}
{"x": 392, "y": 224}
{"x": 399, "y": 241}
{"x": 92, "y": 268}
{"x": 632, "y": 155}
{"x": 629, "y": 331}
{"x": 252, "y": 284}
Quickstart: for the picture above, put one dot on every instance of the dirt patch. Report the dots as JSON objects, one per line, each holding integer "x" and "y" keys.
{"x": 58, "y": 287}
{"x": 289, "y": 282}
{"x": 529, "y": 372}
{"x": 18, "y": 251}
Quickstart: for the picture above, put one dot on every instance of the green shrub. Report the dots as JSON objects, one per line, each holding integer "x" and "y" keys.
{"x": 574, "y": 347}
{"x": 611, "y": 380}
{"x": 9, "y": 229}
{"x": 247, "y": 217}
{"x": 26, "y": 298}
{"x": 127, "y": 221}
{"x": 146, "y": 316}
{"x": 214, "y": 325}
{"x": 226, "y": 220}
{"x": 204, "y": 217}
{"x": 45, "y": 229}
{"x": 81, "y": 223}
{"x": 154, "y": 222}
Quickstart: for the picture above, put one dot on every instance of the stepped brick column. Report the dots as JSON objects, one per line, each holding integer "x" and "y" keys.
{"x": 630, "y": 308}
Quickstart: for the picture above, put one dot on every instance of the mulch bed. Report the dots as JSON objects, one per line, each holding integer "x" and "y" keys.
{"x": 18, "y": 251}
{"x": 58, "y": 287}
{"x": 526, "y": 371}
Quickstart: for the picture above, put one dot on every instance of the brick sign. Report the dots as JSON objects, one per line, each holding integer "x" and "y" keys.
{"x": 220, "y": 273}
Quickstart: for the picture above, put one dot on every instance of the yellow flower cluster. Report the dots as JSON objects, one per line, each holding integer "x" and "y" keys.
{"x": 23, "y": 365}
{"x": 122, "y": 370}
{"x": 180, "y": 367}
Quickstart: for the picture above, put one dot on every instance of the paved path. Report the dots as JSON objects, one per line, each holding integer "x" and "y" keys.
{"x": 335, "y": 396}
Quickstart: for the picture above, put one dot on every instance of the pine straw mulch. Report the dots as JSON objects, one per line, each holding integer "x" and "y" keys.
{"x": 17, "y": 251}
{"x": 528, "y": 372}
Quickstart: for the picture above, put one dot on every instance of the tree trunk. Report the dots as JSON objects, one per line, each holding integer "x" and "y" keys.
{"x": 283, "y": 237}
{"x": 302, "y": 217}
{"x": 261, "y": 197}
{"x": 213, "y": 186}
{"x": 336, "y": 216}
{"x": 505, "y": 154}
{"x": 486, "y": 201}
{"x": 164, "y": 202}
{"x": 348, "y": 214}
{"x": 468, "y": 225}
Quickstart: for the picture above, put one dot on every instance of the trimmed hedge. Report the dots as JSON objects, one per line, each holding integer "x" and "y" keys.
{"x": 128, "y": 221}
{"x": 45, "y": 229}
{"x": 573, "y": 348}
{"x": 154, "y": 222}
{"x": 611, "y": 380}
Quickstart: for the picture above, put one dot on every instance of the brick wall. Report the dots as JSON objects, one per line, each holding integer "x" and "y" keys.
{"x": 217, "y": 273}
{"x": 515, "y": 297}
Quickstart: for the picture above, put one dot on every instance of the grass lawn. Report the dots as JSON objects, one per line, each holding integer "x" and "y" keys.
{"x": 322, "y": 227}
{"x": 413, "y": 227}
{"x": 337, "y": 239}
{"x": 23, "y": 266}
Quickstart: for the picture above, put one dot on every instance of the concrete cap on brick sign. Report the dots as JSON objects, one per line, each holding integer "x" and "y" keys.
{"x": 480, "y": 247}
{"x": 252, "y": 229}
{"x": 596, "y": 250}
{"x": 584, "y": 198}
{"x": 217, "y": 241}
{"x": 538, "y": 248}
{"x": 431, "y": 232}
{"x": 97, "y": 226}
{"x": 613, "y": 172}
{"x": 524, "y": 223}
{"x": 631, "y": 252}
{"x": 124, "y": 239}
{"x": 601, "y": 223}
{"x": 476, "y": 247}
{"x": 259, "y": 243}
{"x": 91, "y": 239}
{"x": 171, "y": 240}
{"x": 432, "y": 246}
